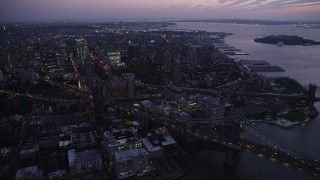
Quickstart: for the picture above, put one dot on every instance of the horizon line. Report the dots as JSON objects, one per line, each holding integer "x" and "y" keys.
{"x": 160, "y": 19}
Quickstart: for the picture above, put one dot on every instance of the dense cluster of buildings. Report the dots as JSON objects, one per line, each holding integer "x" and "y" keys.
{"x": 86, "y": 94}
{"x": 67, "y": 146}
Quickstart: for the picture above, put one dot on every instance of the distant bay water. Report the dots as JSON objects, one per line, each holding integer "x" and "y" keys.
{"x": 301, "y": 63}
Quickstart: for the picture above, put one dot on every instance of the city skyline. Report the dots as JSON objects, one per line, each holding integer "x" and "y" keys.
{"x": 101, "y": 10}
{"x": 160, "y": 100}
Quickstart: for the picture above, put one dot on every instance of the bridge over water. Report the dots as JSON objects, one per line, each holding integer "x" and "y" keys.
{"x": 224, "y": 135}
{"x": 310, "y": 97}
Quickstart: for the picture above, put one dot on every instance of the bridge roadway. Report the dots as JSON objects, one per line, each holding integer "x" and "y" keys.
{"x": 251, "y": 94}
{"x": 38, "y": 97}
{"x": 204, "y": 131}
{"x": 209, "y": 133}
{"x": 72, "y": 89}
{"x": 276, "y": 155}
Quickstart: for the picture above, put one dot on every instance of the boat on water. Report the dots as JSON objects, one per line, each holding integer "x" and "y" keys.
{"x": 280, "y": 43}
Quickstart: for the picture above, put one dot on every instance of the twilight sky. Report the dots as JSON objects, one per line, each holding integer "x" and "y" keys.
{"x": 29, "y": 10}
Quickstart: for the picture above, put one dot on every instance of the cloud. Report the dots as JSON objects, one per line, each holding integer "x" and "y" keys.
{"x": 302, "y": 4}
{"x": 235, "y": 3}
{"x": 208, "y": 7}
{"x": 184, "y": 5}
{"x": 48, "y": 9}
{"x": 223, "y": 1}
{"x": 279, "y": 4}
{"x": 198, "y": 6}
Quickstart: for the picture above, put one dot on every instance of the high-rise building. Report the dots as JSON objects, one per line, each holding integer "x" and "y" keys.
{"x": 63, "y": 49}
{"x": 118, "y": 89}
{"x": 129, "y": 78}
{"x": 1, "y": 76}
{"x": 30, "y": 55}
{"x": 38, "y": 50}
{"x": 50, "y": 62}
{"x": 167, "y": 61}
{"x": 88, "y": 69}
{"x": 3, "y": 55}
{"x": 12, "y": 55}
{"x": 133, "y": 51}
{"x": 22, "y": 51}
{"x": 97, "y": 93}
{"x": 82, "y": 48}
{"x": 32, "y": 78}
{"x": 176, "y": 70}
{"x": 193, "y": 57}
{"x": 114, "y": 58}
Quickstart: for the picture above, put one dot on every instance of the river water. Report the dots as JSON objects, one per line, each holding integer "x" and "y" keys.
{"x": 301, "y": 63}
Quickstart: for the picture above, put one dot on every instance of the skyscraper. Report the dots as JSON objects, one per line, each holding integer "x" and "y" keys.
{"x": 1, "y": 76}
{"x": 133, "y": 51}
{"x": 3, "y": 55}
{"x": 176, "y": 70}
{"x": 82, "y": 48}
{"x": 129, "y": 78}
{"x": 97, "y": 93}
{"x": 167, "y": 61}
{"x": 88, "y": 69}
{"x": 192, "y": 58}
{"x": 22, "y": 51}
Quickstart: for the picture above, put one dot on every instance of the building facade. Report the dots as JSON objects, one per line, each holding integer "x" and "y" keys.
{"x": 85, "y": 161}
{"x": 131, "y": 162}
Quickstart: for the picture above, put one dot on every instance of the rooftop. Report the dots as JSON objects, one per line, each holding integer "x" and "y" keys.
{"x": 26, "y": 151}
{"x": 175, "y": 88}
{"x": 28, "y": 171}
{"x": 88, "y": 155}
{"x": 155, "y": 142}
{"x": 123, "y": 135}
{"x": 149, "y": 146}
{"x": 86, "y": 138}
{"x": 130, "y": 153}
{"x": 168, "y": 140}
{"x": 119, "y": 134}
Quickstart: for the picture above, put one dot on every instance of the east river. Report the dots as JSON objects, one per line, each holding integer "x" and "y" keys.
{"x": 301, "y": 63}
